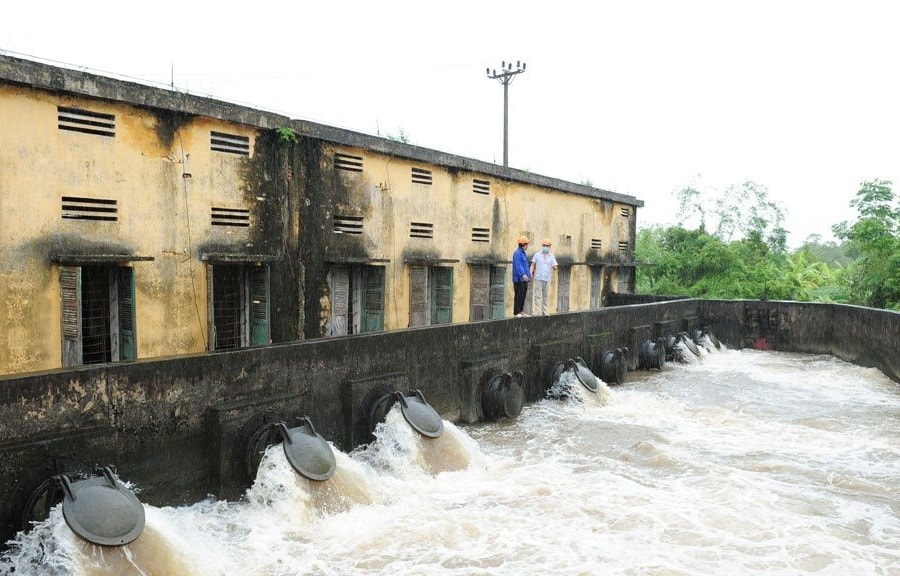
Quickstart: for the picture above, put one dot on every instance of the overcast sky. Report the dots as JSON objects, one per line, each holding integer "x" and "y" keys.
{"x": 643, "y": 98}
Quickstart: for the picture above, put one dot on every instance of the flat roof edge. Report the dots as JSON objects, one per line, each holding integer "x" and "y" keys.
{"x": 56, "y": 78}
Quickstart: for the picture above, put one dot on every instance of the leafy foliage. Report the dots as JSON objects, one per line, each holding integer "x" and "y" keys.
{"x": 874, "y": 242}
{"x": 745, "y": 255}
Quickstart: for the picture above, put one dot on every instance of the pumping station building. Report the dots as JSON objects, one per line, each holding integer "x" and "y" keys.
{"x": 181, "y": 276}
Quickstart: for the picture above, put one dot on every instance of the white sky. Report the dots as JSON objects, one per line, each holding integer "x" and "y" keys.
{"x": 639, "y": 97}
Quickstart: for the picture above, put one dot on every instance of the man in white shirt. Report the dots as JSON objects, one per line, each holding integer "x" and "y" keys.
{"x": 543, "y": 263}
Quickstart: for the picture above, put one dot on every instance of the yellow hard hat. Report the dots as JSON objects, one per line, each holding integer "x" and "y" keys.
{"x": 522, "y": 240}
{"x": 546, "y": 242}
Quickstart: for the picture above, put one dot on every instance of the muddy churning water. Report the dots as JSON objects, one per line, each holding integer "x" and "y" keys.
{"x": 742, "y": 463}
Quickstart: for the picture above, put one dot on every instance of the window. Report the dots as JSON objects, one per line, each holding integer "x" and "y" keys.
{"x": 98, "y": 209}
{"x": 564, "y": 273}
{"x": 421, "y": 230}
{"x": 625, "y": 211}
{"x": 596, "y": 244}
{"x": 230, "y": 143}
{"x": 85, "y": 121}
{"x": 421, "y": 176}
{"x": 596, "y": 292}
{"x": 487, "y": 294}
{"x": 357, "y": 299}
{"x": 481, "y": 186}
{"x": 347, "y": 162}
{"x": 98, "y": 319}
{"x": 235, "y": 217}
{"x": 481, "y": 234}
{"x": 430, "y": 295}
{"x": 238, "y": 306}
{"x": 347, "y": 224}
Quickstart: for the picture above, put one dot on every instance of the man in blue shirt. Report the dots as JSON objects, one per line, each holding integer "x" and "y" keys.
{"x": 521, "y": 276}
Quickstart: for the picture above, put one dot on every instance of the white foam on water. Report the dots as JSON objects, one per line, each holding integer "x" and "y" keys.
{"x": 751, "y": 463}
{"x": 568, "y": 388}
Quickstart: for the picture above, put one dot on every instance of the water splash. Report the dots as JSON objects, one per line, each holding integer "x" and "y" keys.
{"x": 401, "y": 451}
{"x": 567, "y": 387}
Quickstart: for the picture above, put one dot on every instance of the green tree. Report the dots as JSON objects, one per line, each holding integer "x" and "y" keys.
{"x": 874, "y": 277}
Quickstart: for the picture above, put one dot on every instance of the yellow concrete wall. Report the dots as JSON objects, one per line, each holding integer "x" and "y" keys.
{"x": 392, "y": 201}
{"x": 160, "y": 214}
{"x": 166, "y": 216}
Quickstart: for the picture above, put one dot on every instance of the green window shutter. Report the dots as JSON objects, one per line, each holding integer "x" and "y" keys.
{"x": 125, "y": 297}
{"x": 418, "y": 284}
{"x": 479, "y": 293}
{"x": 595, "y": 287}
{"x": 442, "y": 295}
{"x": 70, "y": 293}
{"x": 259, "y": 306}
{"x": 498, "y": 292}
{"x": 562, "y": 288}
{"x": 373, "y": 299}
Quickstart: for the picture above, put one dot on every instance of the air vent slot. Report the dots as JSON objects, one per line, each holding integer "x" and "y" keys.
{"x": 421, "y": 176}
{"x": 85, "y": 121}
{"x": 347, "y": 162}
{"x": 596, "y": 244}
{"x": 481, "y": 186}
{"x": 626, "y": 212}
{"x": 348, "y": 224}
{"x": 231, "y": 143}
{"x": 239, "y": 217}
{"x": 421, "y": 230}
{"x": 481, "y": 234}
{"x": 74, "y": 208}
{"x": 623, "y": 246}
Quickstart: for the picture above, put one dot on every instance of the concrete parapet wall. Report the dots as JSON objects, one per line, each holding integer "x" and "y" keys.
{"x": 169, "y": 425}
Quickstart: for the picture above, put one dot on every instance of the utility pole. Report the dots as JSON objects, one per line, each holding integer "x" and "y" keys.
{"x": 505, "y": 77}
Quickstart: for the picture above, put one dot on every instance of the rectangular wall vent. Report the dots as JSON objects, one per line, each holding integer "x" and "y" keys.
{"x": 74, "y": 208}
{"x": 348, "y": 162}
{"x": 85, "y": 121}
{"x": 626, "y": 212}
{"x": 239, "y": 217}
{"x": 623, "y": 246}
{"x": 481, "y": 234}
{"x": 596, "y": 244}
{"x": 481, "y": 186}
{"x": 348, "y": 224}
{"x": 421, "y": 176}
{"x": 421, "y": 230}
{"x": 231, "y": 143}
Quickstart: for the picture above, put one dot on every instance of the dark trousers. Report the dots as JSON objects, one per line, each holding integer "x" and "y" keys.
{"x": 521, "y": 289}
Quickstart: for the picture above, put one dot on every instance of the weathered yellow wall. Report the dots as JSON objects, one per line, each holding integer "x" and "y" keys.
{"x": 160, "y": 169}
{"x": 160, "y": 214}
{"x": 387, "y": 198}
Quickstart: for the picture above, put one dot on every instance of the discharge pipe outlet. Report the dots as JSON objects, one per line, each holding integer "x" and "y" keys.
{"x": 686, "y": 340}
{"x": 613, "y": 367}
{"x": 419, "y": 414}
{"x": 652, "y": 354}
{"x": 587, "y": 378}
{"x": 100, "y": 510}
{"x": 503, "y": 396}
{"x": 308, "y": 453}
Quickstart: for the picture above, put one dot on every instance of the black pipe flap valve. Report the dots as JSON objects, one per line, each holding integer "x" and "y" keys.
{"x": 503, "y": 396}
{"x": 100, "y": 510}
{"x": 308, "y": 453}
{"x": 420, "y": 415}
{"x": 614, "y": 366}
{"x": 587, "y": 378}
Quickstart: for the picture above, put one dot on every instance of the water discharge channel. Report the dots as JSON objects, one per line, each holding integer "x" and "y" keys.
{"x": 742, "y": 463}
